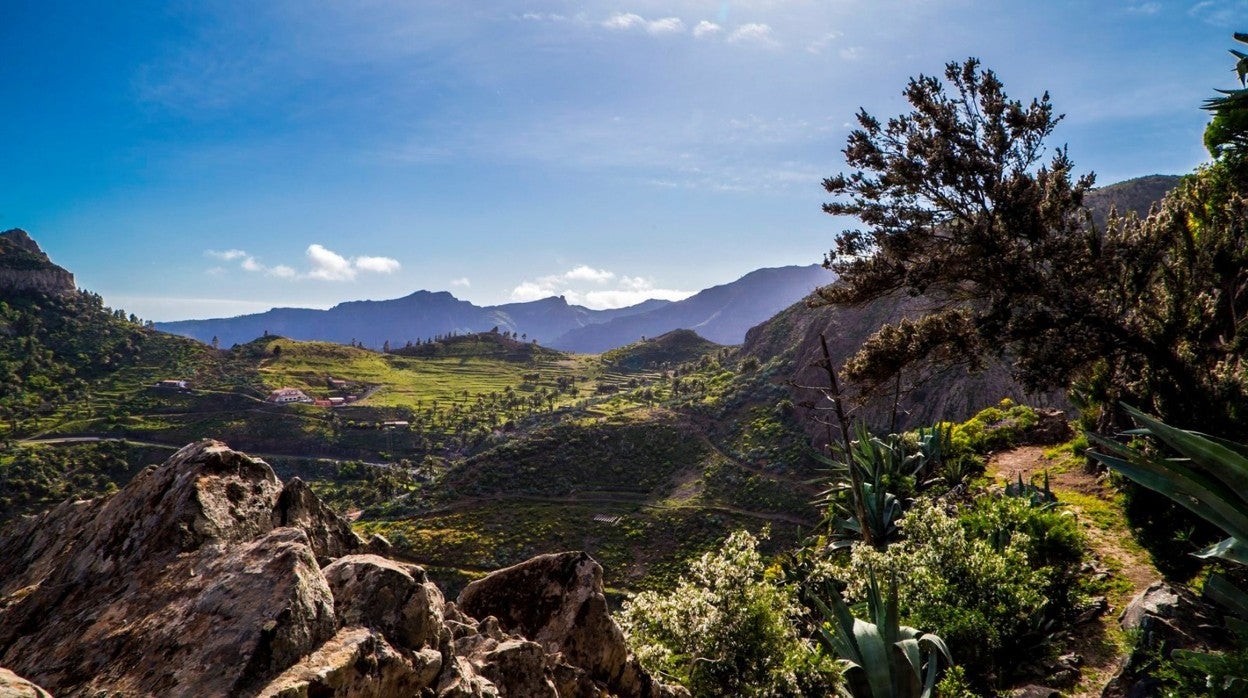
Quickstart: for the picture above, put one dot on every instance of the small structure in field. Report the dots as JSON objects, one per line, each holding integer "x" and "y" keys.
{"x": 173, "y": 384}
{"x": 282, "y": 396}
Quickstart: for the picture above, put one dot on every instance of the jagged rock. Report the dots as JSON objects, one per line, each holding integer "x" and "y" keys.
{"x": 331, "y": 536}
{"x": 33, "y": 546}
{"x": 203, "y": 576}
{"x": 557, "y": 600}
{"x": 14, "y": 686}
{"x": 1168, "y": 618}
{"x": 393, "y": 598}
{"x": 357, "y": 662}
{"x": 519, "y": 666}
{"x": 1171, "y": 617}
{"x": 1065, "y": 670}
{"x": 180, "y": 573}
{"x": 25, "y": 268}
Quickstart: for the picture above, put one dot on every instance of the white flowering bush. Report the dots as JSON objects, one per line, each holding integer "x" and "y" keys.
{"x": 726, "y": 629}
{"x": 982, "y": 601}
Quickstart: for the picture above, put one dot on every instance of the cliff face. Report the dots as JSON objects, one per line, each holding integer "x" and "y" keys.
{"x": 24, "y": 268}
{"x": 209, "y": 576}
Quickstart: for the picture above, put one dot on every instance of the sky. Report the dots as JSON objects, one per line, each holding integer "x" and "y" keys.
{"x": 205, "y": 159}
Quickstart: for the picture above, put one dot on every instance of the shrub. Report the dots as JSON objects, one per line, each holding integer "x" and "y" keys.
{"x": 727, "y": 630}
{"x": 982, "y": 600}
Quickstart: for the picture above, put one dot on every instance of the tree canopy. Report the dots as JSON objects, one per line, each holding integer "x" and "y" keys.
{"x": 1227, "y": 134}
{"x": 960, "y": 207}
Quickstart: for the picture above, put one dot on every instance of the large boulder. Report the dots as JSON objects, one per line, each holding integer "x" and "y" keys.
{"x": 177, "y": 583}
{"x": 390, "y": 597}
{"x": 207, "y": 576}
{"x": 557, "y": 600}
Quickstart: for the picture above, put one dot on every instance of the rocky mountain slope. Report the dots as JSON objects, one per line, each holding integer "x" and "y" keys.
{"x": 25, "y": 268}
{"x": 208, "y": 576}
{"x": 721, "y": 314}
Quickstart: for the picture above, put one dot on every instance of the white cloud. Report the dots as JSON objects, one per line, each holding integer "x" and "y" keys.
{"x": 328, "y": 265}
{"x": 627, "y": 290}
{"x": 324, "y": 265}
{"x": 705, "y": 28}
{"x": 623, "y": 20}
{"x": 531, "y": 291}
{"x": 587, "y": 273}
{"x": 1145, "y": 8}
{"x": 667, "y": 25}
{"x": 1219, "y": 12}
{"x": 850, "y": 53}
{"x": 821, "y": 44}
{"x": 379, "y": 265}
{"x": 754, "y": 33}
{"x": 462, "y": 281}
{"x": 226, "y": 255}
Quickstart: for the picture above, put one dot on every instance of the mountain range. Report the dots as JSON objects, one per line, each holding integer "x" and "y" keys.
{"x": 721, "y": 314}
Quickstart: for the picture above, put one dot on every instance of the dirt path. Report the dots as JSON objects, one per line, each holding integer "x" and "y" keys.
{"x": 1099, "y": 512}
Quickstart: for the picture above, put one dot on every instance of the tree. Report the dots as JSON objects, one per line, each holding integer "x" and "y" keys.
{"x": 959, "y": 212}
{"x": 1227, "y": 135}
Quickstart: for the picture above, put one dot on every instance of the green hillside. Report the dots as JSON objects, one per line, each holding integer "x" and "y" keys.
{"x": 670, "y": 349}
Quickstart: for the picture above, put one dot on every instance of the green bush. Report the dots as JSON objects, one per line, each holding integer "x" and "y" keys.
{"x": 728, "y": 630}
{"x": 984, "y": 601}
{"x": 1052, "y": 536}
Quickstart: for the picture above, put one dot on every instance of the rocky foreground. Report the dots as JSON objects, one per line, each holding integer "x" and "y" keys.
{"x": 206, "y": 576}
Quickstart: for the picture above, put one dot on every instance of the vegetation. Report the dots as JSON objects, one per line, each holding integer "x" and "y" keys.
{"x": 477, "y": 451}
{"x": 881, "y": 657}
{"x": 1227, "y": 134}
{"x": 726, "y": 629}
{"x": 1208, "y": 479}
{"x": 959, "y": 211}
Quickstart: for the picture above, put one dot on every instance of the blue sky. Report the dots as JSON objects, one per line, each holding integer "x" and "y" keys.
{"x": 200, "y": 159}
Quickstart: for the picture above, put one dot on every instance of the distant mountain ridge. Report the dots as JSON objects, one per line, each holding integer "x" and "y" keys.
{"x": 721, "y": 314}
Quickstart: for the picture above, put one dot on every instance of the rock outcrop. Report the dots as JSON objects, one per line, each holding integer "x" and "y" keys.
{"x": 24, "y": 268}
{"x": 14, "y": 686}
{"x": 1167, "y": 618}
{"x": 208, "y": 576}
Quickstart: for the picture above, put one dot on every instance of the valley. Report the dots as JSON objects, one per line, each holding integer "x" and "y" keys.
{"x": 468, "y": 451}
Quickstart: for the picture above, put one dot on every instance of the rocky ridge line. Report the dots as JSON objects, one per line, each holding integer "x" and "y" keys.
{"x": 24, "y": 268}
{"x": 208, "y": 576}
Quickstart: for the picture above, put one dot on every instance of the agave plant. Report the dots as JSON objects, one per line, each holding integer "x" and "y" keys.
{"x": 880, "y": 657}
{"x": 935, "y": 444}
{"x": 1036, "y": 496}
{"x": 1210, "y": 478}
{"x": 873, "y": 464}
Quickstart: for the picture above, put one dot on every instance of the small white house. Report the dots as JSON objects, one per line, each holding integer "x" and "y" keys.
{"x": 282, "y": 396}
